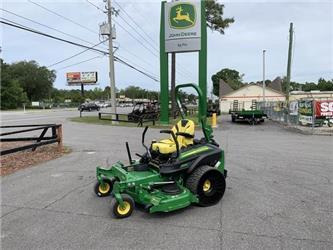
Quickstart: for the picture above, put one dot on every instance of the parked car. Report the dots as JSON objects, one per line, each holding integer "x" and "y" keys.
{"x": 88, "y": 107}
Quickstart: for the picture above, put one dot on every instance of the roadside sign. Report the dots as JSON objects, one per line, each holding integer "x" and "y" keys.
{"x": 88, "y": 77}
{"x": 305, "y": 112}
{"x": 324, "y": 108}
{"x": 78, "y": 78}
{"x": 182, "y": 26}
{"x": 73, "y": 77}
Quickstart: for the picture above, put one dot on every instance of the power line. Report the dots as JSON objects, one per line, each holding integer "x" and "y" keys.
{"x": 129, "y": 52}
{"x": 44, "y": 25}
{"x": 142, "y": 44}
{"x": 79, "y": 62}
{"x": 66, "y": 18}
{"x": 136, "y": 24}
{"x": 150, "y": 64}
{"x": 136, "y": 31}
{"x": 123, "y": 62}
{"x": 138, "y": 66}
{"x": 95, "y": 6}
{"x": 184, "y": 74}
{"x": 68, "y": 58}
{"x": 182, "y": 70}
{"x": 19, "y": 26}
{"x": 123, "y": 28}
{"x": 94, "y": 45}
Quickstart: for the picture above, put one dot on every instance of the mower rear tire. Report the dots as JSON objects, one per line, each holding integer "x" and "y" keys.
{"x": 105, "y": 189}
{"x": 125, "y": 210}
{"x": 208, "y": 184}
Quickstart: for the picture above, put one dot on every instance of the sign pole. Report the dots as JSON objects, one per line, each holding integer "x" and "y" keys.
{"x": 82, "y": 89}
{"x": 164, "y": 77}
{"x": 203, "y": 62}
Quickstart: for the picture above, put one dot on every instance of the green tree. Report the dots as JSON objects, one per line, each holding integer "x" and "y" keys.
{"x": 308, "y": 86}
{"x": 324, "y": 85}
{"x": 293, "y": 85}
{"x": 12, "y": 95}
{"x": 230, "y": 76}
{"x": 36, "y": 81}
{"x": 214, "y": 16}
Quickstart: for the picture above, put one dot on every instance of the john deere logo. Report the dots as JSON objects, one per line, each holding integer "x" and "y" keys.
{"x": 182, "y": 16}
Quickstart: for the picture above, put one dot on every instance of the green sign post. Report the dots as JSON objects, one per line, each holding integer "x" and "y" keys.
{"x": 183, "y": 29}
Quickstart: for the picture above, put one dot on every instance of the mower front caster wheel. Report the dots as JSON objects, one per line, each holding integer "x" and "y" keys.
{"x": 126, "y": 209}
{"x": 105, "y": 189}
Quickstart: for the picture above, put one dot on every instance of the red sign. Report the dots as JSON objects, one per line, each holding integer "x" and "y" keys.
{"x": 324, "y": 108}
{"x": 73, "y": 77}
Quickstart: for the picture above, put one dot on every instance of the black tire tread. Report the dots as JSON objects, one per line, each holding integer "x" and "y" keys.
{"x": 194, "y": 178}
{"x": 193, "y": 183}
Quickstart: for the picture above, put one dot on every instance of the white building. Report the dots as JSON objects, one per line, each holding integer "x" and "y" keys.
{"x": 246, "y": 94}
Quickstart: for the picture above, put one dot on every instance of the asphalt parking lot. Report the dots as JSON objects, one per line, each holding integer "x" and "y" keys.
{"x": 279, "y": 194}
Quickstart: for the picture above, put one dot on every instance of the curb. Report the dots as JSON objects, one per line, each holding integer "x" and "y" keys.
{"x": 303, "y": 130}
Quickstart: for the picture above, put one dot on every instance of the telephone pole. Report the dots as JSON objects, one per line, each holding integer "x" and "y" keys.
{"x": 291, "y": 32}
{"x": 111, "y": 62}
{"x": 263, "y": 77}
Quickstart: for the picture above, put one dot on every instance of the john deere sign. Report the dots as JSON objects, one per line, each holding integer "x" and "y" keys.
{"x": 182, "y": 26}
{"x": 182, "y": 16}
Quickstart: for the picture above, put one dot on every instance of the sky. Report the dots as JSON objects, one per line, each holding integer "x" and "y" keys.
{"x": 258, "y": 25}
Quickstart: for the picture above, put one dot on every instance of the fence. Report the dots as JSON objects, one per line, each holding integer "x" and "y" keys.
{"x": 304, "y": 113}
{"x": 132, "y": 118}
{"x": 42, "y": 139}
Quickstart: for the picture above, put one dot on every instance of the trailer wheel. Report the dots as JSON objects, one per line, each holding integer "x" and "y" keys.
{"x": 125, "y": 210}
{"x": 208, "y": 184}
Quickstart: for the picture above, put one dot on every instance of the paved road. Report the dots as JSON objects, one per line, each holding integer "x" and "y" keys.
{"x": 279, "y": 194}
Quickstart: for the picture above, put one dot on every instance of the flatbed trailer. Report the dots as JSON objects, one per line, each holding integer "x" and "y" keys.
{"x": 252, "y": 116}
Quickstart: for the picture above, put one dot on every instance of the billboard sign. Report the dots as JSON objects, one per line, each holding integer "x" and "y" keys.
{"x": 305, "y": 112}
{"x": 182, "y": 26}
{"x": 78, "y": 78}
{"x": 324, "y": 108}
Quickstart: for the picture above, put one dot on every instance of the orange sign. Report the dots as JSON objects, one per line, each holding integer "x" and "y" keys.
{"x": 73, "y": 77}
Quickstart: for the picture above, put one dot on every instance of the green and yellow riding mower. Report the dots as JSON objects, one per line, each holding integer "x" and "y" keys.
{"x": 172, "y": 174}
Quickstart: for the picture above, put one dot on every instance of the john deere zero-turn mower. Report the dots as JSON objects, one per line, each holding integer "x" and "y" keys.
{"x": 173, "y": 173}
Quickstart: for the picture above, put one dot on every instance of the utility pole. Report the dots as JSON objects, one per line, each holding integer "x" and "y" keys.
{"x": 263, "y": 77}
{"x": 173, "y": 84}
{"x": 291, "y": 32}
{"x": 111, "y": 62}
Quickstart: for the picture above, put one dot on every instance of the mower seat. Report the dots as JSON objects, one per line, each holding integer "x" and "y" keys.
{"x": 168, "y": 146}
